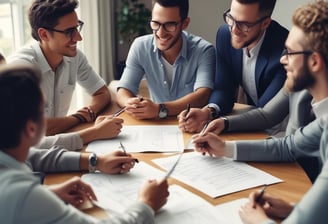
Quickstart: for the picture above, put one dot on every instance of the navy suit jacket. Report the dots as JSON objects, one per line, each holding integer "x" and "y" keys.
{"x": 270, "y": 75}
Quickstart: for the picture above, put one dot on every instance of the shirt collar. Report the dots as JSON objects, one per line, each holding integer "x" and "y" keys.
{"x": 320, "y": 108}
{"x": 10, "y": 162}
{"x": 256, "y": 49}
{"x": 184, "y": 49}
{"x": 43, "y": 63}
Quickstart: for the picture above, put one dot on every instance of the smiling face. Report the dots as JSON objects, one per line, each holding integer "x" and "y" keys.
{"x": 248, "y": 13}
{"x": 298, "y": 73}
{"x": 61, "y": 44}
{"x": 168, "y": 41}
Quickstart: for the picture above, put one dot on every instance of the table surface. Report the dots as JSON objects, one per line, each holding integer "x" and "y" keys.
{"x": 295, "y": 184}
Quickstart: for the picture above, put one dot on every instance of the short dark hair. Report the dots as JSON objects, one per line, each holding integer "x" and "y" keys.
{"x": 20, "y": 100}
{"x": 182, "y": 4}
{"x": 265, "y": 6}
{"x": 45, "y": 13}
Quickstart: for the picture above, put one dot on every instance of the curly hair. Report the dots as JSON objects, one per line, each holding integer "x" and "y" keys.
{"x": 312, "y": 18}
{"x": 45, "y": 13}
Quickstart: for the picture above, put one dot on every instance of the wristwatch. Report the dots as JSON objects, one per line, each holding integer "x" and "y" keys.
{"x": 92, "y": 162}
{"x": 226, "y": 124}
{"x": 163, "y": 111}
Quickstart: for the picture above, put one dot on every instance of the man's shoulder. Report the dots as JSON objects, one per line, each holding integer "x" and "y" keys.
{"x": 194, "y": 38}
{"x": 276, "y": 29}
{"x": 144, "y": 41}
{"x": 27, "y": 53}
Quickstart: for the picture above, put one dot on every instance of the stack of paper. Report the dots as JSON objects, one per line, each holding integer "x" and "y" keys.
{"x": 142, "y": 138}
{"x": 216, "y": 176}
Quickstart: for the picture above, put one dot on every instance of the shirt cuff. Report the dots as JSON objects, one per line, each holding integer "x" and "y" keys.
{"x": 231, "y": 149}
{"x": 216, "y": 108}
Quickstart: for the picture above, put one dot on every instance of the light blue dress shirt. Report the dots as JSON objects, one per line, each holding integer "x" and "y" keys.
{"x": 194, "y": 68}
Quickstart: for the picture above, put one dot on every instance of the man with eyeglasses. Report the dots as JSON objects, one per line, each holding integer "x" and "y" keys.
{"x": 248, "y": 48}
{"x": 56, "y": 28}
{"x": 306, "y": 64}
{"x": 179, "y": 67}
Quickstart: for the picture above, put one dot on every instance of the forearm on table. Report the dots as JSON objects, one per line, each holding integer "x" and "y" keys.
{"x": 60, "y": 124}
{"x": 100, "y": 100}
{"x": 123, "y": 95}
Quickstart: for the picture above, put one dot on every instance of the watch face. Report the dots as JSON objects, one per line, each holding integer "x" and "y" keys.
{"x": 93, "y": 160}
{"x": 163, "y": 112}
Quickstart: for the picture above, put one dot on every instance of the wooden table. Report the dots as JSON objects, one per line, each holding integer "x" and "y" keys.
{"x": 295, "y": 184}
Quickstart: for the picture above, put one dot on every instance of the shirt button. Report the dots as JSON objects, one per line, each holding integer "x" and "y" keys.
{"x": 165, "y": 82}
{"x": 162, "y": 65}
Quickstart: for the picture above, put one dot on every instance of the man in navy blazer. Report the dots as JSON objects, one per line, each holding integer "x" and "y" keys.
{"x": 269, "y": 73}
{"x": 248, "y": 49}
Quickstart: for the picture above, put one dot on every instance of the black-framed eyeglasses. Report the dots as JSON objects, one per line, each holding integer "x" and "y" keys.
{"x": 69, "y": 32}
{"x": 241, "y": 25}
{"x": 286, "y": 53}
{"x": 168, "y": 26}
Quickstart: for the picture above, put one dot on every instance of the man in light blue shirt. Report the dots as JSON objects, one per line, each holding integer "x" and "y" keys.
{"x": 179, "y": 67}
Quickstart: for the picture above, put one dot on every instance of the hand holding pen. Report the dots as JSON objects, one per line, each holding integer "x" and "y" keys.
{"x": 124, "y": 151}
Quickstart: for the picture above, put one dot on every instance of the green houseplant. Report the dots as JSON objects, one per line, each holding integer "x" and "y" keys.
{"x": 132, "y": 20}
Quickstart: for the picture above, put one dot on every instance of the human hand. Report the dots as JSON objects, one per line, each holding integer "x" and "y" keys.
{"x": 216, "y": 126}
{"x": 74, "y": 191}
{"x": 107, "y": 126}
{"x": 209, "y": 143}
{"x": 194, "y": 121}
{"x": 154, "y": 193}
{"x": 116, "y": 163}
{"x": 273, "y": 206}
{"x": 252, "y": 215}
{"x": 142, "y": 109}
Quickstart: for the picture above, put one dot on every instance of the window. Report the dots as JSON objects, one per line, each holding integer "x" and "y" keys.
{"x": 14, "y": 29}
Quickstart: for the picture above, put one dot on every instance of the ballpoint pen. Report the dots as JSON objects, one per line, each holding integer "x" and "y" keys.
{"x": 204, "y": 129}
{"x": 188, "y": 110}
{"x": 124, "y": 150}
{"x": 169, "y": 172}
{"x": 259, "y": 197}
{"x": 119, "y": 112}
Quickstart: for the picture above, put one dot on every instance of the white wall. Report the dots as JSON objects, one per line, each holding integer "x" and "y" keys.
{"x": 284, "y": 11}
{"x": 206, "y": 15}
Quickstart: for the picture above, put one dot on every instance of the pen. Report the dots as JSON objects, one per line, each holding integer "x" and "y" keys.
{"x": 119, "y": 112}
{"x": 204, "y": 129}
{"x": 124, "y": 150}
{"x": 259, "y": 197}
{"x": 169, "y": 172}
{"x": 188, "y": 110}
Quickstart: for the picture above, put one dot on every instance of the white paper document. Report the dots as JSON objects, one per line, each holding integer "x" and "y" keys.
{"x": 116, "y": 192}
{"x": 216, "y": 176}
{"x": 230, "y": 210}
{"x": 142, "y": 138}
